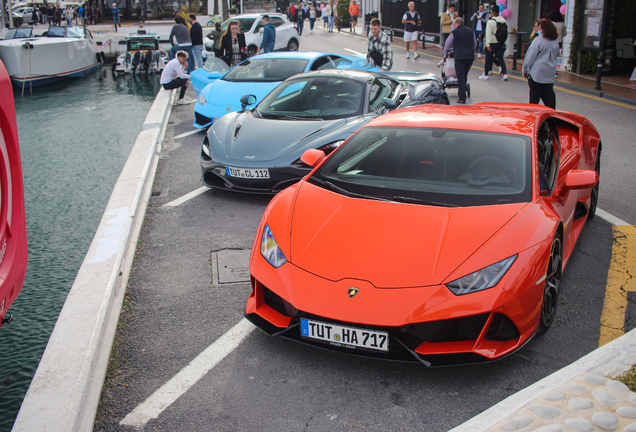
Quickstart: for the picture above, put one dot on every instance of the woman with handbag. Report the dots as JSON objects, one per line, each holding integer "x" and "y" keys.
{"x": 233, "y": 45}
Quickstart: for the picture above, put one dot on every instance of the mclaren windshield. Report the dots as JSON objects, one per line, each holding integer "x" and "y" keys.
{"x": 314, "y": 98}
{"x": 443, "y": 167}
{"x": 266, "y": 70}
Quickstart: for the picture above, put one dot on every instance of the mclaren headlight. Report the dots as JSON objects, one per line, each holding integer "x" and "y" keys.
{"x": 202, "y": 100}
{"x": 481, "y": 279}
{"x": 270, "y": 250}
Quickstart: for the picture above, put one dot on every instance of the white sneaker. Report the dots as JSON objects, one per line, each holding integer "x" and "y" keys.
{"x": 478, "y": 55}
{"x": 408, "y": 56}
{"x": 505, "y": 78}
{"x": 311, "y": 31}
{"x": 483, "y": 77}
{"x": 416, "y": 56}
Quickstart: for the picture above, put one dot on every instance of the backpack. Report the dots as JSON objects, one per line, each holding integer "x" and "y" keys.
{"x": 501, "y": 34}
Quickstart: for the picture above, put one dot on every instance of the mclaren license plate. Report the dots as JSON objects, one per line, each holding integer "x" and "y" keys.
{"x": 262, "y": 173}
{"x": 345, "y": 337}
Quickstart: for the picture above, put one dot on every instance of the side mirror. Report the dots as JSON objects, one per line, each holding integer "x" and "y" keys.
{"x": 313, "y": 157}
{"x": 261, "y": 30}
{"x": 214, "y": 75}
{"x": 581, "y": 179}
{"x": 389, "y": 103}
{"x": 247, "y": 100}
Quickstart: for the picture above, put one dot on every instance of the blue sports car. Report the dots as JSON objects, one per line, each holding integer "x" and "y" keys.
{"x": 260, "y": 75}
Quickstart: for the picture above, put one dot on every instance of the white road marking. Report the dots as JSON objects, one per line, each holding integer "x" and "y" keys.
{"x": 610, "y": 218}
{"x": 187, "y": 197}
{"x": 188, "y": 376}
{"x": 354, "y": 52}
{"x": 183, "y": 135}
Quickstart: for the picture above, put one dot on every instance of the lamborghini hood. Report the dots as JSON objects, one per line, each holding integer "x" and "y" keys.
{"x": 258, "y": 140}
{"x": 388, "y": 244}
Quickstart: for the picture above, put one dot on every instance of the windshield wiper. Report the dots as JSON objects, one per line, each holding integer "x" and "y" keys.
{"x": 412, "y": 200}
{"x": 345, "y": 192}
{"x": 290, "y": 117}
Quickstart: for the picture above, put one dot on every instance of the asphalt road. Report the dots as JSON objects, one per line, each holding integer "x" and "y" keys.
{"x": 174, "y": 311}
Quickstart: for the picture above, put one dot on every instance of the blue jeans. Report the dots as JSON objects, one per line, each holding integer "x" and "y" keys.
{"x": 117, "y": 21}
{"x": 196, "y": 51}
{"x": 299, "y": 25}
{"x": 480, "y": 42}
{"x": 311, "y": 23}
{"x": 331, "y": 19}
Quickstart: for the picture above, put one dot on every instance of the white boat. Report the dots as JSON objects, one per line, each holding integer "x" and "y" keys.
{"x": 60, "y": 53}
{"x": 142, "y": 54}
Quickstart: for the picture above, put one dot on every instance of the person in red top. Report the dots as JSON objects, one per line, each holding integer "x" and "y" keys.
{"x": 354, "y": 11}
{"x": 292, "y": 9}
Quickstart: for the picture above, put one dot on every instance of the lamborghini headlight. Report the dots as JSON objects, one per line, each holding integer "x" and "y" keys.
{"x": 202, "y": 100}
{"x": 481, "y": 279}
{"x": 270, "y": 250}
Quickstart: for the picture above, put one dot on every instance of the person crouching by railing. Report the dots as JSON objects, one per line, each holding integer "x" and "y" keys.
{"x": 174, "y": 77}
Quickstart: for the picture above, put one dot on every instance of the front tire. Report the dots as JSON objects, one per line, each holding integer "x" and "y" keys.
{"x": 552, "y": 286}
{"x": 292, "y": 45}
{"x": 251, "y": 51}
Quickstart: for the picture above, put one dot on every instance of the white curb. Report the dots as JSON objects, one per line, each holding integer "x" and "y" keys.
{"x": 66, "y": 388}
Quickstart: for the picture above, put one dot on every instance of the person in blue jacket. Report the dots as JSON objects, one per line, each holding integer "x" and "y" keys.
{"x": 269, "y": 36}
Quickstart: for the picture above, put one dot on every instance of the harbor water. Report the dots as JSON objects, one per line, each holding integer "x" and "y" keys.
{"x": 75, "y": 137}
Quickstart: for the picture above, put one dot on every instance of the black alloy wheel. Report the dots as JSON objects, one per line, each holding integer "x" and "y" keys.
{"x": 552, "y": 286}
{"x": 251, "y": 51}
{"x": 594, "y": 200}
{"x": 292, "y": 45}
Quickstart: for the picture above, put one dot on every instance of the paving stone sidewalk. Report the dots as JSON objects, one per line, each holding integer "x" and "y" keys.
{"x": 580, "y": 397}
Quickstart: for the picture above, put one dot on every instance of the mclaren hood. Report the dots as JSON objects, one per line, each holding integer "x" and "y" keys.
{"x": 260, "y": 139}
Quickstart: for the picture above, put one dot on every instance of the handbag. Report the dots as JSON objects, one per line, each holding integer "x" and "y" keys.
{"x": 377, "y": 57}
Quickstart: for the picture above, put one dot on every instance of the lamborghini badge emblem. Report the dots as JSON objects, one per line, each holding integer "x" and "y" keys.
{"x": 352, "y": 292}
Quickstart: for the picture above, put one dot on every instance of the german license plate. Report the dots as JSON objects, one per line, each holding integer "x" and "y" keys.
{"x": 345, "y": 337}
{"x": 262, "y": 173}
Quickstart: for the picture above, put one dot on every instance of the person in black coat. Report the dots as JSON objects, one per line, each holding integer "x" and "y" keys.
{"x": 233, "y": 45}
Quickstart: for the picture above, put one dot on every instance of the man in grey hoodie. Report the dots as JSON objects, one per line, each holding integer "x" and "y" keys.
{"x": 269, "y": 36}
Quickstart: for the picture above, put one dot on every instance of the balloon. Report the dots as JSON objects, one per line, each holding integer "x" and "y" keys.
{"x": 563, "y": 9}
{"x": 501, "y": 7}
{"x": 506, "y": 13}
{"x": 502, "y": 2}
{"x": 563, "y": 1}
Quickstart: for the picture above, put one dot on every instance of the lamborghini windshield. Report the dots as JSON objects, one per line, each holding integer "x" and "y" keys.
{"x": 266, "y": 70}
{"x": 314, "y": 98}
{"x": 444, "y": 167}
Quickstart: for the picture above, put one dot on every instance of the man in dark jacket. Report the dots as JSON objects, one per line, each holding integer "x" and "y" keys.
{"x": 463, "y": 41}
{"x": 196, "y": 35}
{"x": 269, "y": 36}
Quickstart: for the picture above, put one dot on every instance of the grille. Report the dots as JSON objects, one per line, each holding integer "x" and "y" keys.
{"x": 201, "y": 119}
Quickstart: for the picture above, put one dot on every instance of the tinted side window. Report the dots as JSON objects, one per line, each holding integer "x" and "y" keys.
{"x": 380, "y": 89}
{"x": 276, "y": 21}
{"x": 548, "y": 154}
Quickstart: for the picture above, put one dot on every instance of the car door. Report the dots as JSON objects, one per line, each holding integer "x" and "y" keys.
{"x": 281, "y": 33}
{"x": 552, "y": 167}
{"x": 256, "y": 34}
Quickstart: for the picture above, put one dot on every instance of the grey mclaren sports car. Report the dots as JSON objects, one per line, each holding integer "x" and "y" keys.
{"x": 258, "y": 150}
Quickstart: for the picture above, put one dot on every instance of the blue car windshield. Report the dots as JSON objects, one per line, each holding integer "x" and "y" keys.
{"x": 266, "y": 70}
{"x": 442, "y": 167}
{"x": 314, "y": 98}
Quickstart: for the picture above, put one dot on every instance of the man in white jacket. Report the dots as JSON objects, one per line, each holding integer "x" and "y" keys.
{"x": 174, "y": 77}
